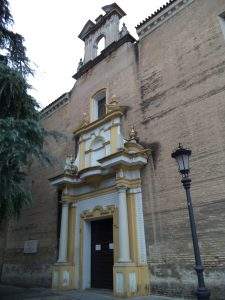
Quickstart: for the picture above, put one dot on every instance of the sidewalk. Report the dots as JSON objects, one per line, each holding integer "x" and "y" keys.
{"x": 18, "y": 293}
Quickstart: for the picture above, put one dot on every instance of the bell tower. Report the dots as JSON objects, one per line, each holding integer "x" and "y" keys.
{"x": 105, "y": 26}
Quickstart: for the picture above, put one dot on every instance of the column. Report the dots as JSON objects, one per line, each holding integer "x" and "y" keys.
{"x": 142, "y": 258}
{"x": 63, "y": 233}
{"x": 124, "y": 247}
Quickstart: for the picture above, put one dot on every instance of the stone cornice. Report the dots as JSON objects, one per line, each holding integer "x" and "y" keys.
{"x": 160, "y": 16}
{"x": 107, "y": 51}
{"x": 59, "y": 102}
{"x": 125, "y": 153}
{"x": 117, "y": 113}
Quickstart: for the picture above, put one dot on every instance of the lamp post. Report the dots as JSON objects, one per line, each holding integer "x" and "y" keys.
{"x": 181, "y": 155}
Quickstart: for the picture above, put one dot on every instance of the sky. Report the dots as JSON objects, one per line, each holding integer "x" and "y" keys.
{"x": 50, "y": 29}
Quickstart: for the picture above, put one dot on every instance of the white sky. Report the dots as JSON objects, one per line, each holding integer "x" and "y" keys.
{"x": 50, "y": 29}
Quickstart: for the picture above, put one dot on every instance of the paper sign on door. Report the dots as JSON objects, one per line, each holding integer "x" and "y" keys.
{"x": 97, "y": 247}
{"x": 111, "y": 246}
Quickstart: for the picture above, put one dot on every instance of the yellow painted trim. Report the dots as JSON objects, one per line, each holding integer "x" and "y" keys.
{"x": 113, "y": 139}
{"x": 71, "y": 233}
{"x": 98, "y": 212}
{"x": 81, "y": 155}
{"x": 99, "y": 122}
{"x": 132, "y": 227}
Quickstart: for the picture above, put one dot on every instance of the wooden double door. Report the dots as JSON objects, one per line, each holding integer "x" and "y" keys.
{"x": 102, "y": 254}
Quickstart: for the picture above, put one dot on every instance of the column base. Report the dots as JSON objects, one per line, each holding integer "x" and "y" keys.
{"x": 131, "y": 280}
{"x": 63, "y": 276}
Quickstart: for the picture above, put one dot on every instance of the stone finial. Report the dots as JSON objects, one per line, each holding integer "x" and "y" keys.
{"x": 113, "y": 101}
{"x": 70, "y": 167}
{"x": 133, "y": 135}
{"x": 85, "y": 120}
{"x": 124, "y": 30}
{"x": 113, "y": 104}
{"x": 80, "y": 64}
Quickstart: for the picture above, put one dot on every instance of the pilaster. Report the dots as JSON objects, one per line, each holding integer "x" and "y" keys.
{"x": 124, "y": 245}
{"x": 131, "y": 278}
{"x": 63, "y": 276}
{"x": 63, "y": 233}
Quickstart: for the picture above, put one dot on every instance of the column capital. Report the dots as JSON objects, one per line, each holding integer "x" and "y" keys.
{"x": 65, "y": 203}
{"x": 67, "y": 198}
{"x": 134, "y": 190}
{"x": 121, "y": 188}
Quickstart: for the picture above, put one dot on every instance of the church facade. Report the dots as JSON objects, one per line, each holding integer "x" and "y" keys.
{"x": 111, "y": 213}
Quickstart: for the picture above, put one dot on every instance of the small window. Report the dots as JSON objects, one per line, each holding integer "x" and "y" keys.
{"x": 101, "y": 107}
{"x": 98, "y": 106}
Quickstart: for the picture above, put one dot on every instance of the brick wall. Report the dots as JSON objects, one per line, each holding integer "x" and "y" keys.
{"x": 182, "y": 76}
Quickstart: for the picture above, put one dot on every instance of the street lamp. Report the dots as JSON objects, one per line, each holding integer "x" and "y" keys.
{"x": 182, "y": 157}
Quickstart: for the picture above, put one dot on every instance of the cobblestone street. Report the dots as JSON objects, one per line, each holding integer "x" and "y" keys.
{"x": 18, "y": 293}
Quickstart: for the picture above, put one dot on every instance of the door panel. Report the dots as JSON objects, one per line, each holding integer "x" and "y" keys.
{"x": 102, "y": 254}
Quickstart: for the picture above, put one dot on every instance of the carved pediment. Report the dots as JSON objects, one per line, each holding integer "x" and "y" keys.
{"x": 86, "y": 29}
{"x": 114, "y": 7}
{"x": 98, "y": 211}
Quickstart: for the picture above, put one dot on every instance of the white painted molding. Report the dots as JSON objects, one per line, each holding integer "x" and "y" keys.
{"x": 64, "y": 179}
{"x": 119, "y": 283}
{"x": 66, "y": 278}
{"x": 63, "y": 233}
{"x": 137, "y": 160}
{"x": 132, "y": 282}
{"x": 142, "y": 257}
{"x": 124, "y": 245}
{"x": 134, "y": 191}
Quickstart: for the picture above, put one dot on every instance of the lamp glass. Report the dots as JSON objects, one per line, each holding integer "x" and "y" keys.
{"x": 183, "y": 163}
{"x": 182, "y": 157}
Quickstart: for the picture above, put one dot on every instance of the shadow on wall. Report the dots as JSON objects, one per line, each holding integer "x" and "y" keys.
{"x": 155, "y": 151}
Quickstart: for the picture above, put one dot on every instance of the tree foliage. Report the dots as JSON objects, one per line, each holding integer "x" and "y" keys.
{"x": 12, "y": 43}
{"x": 21, "y": 134}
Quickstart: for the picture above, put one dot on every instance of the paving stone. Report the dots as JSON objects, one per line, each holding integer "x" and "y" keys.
{"x": 18, "y": 293}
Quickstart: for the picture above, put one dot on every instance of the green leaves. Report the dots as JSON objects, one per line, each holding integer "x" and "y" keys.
{"x": 22, "y": 139}
{"x": 12, "y": 43}
{"x": 5, "y": 15}
{"x": 14, "y": 98}
{"x": 21, "y": 135}
{"x": 15, "y": 51}
{"x": 20, "y": 142}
